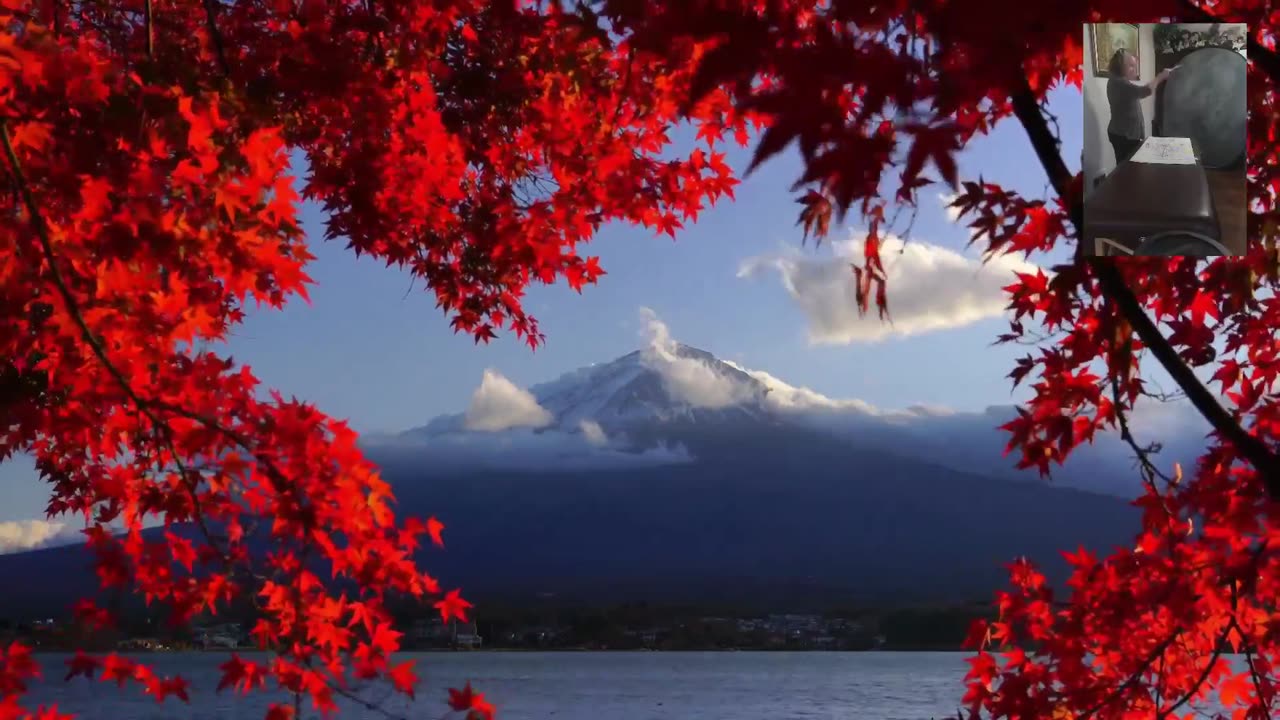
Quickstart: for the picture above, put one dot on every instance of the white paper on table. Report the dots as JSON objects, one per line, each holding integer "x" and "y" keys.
{"x": 1165, "y": 151}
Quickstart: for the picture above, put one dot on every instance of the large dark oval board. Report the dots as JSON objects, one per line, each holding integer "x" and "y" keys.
{"x": 1205, "y": 100}
{"x": 1181, "y": 245}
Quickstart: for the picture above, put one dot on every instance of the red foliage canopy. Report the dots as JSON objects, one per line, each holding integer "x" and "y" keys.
{"x": 476, "y": 144}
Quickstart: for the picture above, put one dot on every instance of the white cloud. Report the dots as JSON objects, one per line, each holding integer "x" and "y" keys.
{"x": 930, "y": 288}
{"x": 23, "y": 535}
{"x": 520, "y": 450}
{"x": 687, "y": 379}
{"x": 593, "y": 433}
{"x": 785, "y": 397}
{"x": 499, "y": 405}
{"x": 953, "y": 214}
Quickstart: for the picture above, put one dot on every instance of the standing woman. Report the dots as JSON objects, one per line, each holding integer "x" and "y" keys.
{"x": 1127, "y": 129}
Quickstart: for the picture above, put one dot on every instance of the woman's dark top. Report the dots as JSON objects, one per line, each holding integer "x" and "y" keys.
{"x": 1126, "y": 113}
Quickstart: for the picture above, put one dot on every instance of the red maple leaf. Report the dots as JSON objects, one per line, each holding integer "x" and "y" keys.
{"x": 1237, "y": 689}
{"x": 471, "y": 702}
{"x": 240, "y": 674}
{"x": 434, "y": 528}
{"x": 385, "y": 639}
{"x": 82, "y": 664}
{"x": 403, "y": 678}
{"x": 119, "y": 669}
{"x": 453, "y": 606}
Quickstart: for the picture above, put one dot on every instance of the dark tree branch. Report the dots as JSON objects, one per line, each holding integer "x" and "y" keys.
{"x": 151, "y": 32}
{"x": 1200, "y": 681}
{"x": 1143, "y": 454}
{"x": 1114, "y": 287}
{"x": 164, "y": 433}
{"x": 1156, "y": 654}
{"x": 215, "y": 36}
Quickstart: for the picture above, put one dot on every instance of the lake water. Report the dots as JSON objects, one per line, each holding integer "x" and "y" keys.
{"x": 579, "y": 686}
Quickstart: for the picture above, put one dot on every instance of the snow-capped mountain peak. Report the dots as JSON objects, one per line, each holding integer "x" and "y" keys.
{"x": 670, "y": 403}
{"x": 660, "y": 383}
{"x": 656, "y": 383}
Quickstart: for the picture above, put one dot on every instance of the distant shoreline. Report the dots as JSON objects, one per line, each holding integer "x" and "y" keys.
{"x": 634, "y": 628}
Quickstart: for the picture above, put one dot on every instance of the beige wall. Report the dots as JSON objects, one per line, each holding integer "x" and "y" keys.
{"x": 1099, "y": 158}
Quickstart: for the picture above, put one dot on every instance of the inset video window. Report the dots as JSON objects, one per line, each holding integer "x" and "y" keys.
{"x": 1165, "y": 111}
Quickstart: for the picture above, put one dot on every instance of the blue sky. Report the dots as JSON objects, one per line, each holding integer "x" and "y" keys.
{"x": 379, "y": 354}
{"x": 374, "y": 350}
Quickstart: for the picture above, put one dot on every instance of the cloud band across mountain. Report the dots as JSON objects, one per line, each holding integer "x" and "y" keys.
{"x": 23, "y": 535}
{"x": 931, "y": 288}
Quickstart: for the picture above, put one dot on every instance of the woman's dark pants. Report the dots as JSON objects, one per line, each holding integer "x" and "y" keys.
{"x": 1124, "y": 147}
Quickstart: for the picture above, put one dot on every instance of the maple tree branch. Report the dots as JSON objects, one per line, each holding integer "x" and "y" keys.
{"x": 215, "y": 36}
{"x": 1233, "y": 624}
{"x": 42, "y": 234}
{"x": 368, "y": 704}
{"x": 626, "y": 83}
{"x": 363, "y": 703}
{"x": 282, "y": 483}
{"x": 1114, "y": 288}
{"x": 1253, "y": 449}
{"x": 1160, "y": 681}
{"x": 273, "y": 471}
{"x": 299, "y": 628}
{"x": 1253, "y": 669}
{"x": 1148, "y": 468}
{"x": 151, "y": 34}
{"x": 1200, "y": 681}
{"x": 162, "y": 428}
{"x": 1156, "y": 653}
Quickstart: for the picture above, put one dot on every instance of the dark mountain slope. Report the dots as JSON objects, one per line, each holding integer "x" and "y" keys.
{"x": 789, "y": 496}
{"x": 780, "y": 507}
{"x": 790, "y": 514}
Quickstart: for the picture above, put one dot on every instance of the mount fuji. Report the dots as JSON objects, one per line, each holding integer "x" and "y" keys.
{"x": 673, "y": 403}
{"x": 665, "y": 404}
{"x": 670, "y": 475}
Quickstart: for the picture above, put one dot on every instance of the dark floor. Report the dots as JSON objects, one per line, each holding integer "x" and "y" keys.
{"x": 1229, "y": 199}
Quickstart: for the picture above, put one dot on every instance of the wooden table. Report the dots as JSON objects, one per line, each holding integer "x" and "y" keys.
{"x": 1140, "y": 200}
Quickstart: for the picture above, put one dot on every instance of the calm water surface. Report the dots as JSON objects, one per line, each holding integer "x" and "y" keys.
{"x": 581, "y": 686}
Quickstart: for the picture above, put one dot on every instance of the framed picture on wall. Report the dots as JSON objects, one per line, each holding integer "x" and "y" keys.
{"x": 1107, "y": 38}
